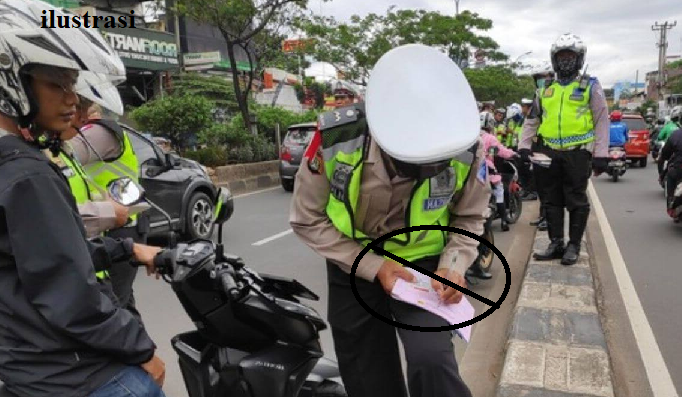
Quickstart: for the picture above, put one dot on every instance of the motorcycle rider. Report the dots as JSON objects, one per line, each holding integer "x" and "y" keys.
{"x": 672, "y": 172}
{"x": 360, "y": 180}
{"x": 489, "y": 142}
{"x": 501, "y": 131}
{"x": 618, "y": 131}
{"x": 574, "y": 126}
{"x": 672, "y": 125}
{"x": 60, "y": 333}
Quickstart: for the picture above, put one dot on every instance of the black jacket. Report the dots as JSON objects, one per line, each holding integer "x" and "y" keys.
{"x": 672, "y": 153}
{"x": 60, "y": 335}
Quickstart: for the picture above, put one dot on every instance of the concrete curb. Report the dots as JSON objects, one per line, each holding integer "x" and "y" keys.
{"x": 556, "y": 346}
{"x": 245, "y": 178}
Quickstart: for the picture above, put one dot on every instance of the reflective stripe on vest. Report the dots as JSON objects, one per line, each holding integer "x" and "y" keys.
{"x": 82, "y": 187}
{"x": 428, "y": 203}
{"x": 566, "y": 116}
{"x": 103, "y": 172}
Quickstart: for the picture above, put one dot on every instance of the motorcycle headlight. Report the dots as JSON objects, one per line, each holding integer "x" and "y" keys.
{"x": 297, "y": 308}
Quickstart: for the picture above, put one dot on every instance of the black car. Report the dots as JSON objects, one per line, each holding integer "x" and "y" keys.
{"x": 181, "y": 187}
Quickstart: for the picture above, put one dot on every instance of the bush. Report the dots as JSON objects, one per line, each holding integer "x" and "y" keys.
{"x": 242, "y": 154}
{"x": 212, "y": 156}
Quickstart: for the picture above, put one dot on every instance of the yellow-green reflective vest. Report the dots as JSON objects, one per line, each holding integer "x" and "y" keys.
{"x": 501, "y": 134}
{"x": 125, "y": 165}
{"x": 428, "y": 205}
{"x": 81, "y": 189}
{"x": 566, "y": 115}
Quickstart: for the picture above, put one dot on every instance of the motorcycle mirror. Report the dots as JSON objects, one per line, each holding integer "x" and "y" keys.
{"x": 223, "y": 211}
{"x": 125, "y": 191}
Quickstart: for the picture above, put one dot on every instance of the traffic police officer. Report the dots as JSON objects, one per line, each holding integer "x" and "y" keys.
{"x": 574, "y": 126}
{"x": 106, "y": 153}
{"x": 405, "y": 164}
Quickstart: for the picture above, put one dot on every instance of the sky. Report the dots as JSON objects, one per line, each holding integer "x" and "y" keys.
{"x": 617, "y": 33}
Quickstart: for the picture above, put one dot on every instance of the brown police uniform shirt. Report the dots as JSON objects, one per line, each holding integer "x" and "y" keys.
{"x": 381, "y": 209}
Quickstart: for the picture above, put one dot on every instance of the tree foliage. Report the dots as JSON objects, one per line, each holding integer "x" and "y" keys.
{"x": 175, "y": 117}
{"x": 355, "y": 47}
{"x": 499, "y": 83}
{"x": 215, "y": 88}
{"x": 240, "y": 22}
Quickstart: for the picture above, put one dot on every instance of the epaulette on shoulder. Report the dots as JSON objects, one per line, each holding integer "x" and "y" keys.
{"x": 341, "y": 116}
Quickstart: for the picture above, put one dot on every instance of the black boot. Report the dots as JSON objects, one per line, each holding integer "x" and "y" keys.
{"x": 555, "y": 223}
{"x": 576, "y": 229}
{"x": 477, "y": 271}
{"x": 538, "y": 221}
{"x": 542, "y": 226}
{"x": 502, "y": 212}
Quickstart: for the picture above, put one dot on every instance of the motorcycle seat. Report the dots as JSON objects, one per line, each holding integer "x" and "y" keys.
{"x": 4, "y": 392}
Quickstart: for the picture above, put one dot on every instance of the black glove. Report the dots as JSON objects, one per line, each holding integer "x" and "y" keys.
{"x": 599, "y": 165}
{"x": 525, "y": 155}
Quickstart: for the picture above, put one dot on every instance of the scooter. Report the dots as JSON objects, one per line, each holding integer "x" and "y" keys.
{"x": 656, "y": 149}
{"x": 675, "y": 206}
{"x": 617, "y": 163}
{"x": 254, "y": 338}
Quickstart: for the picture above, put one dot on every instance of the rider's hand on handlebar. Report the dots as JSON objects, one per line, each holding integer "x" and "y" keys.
{"x": 390, "y": 272}
{"x": 145, "y": 254}
{"x": 156, "y": 368}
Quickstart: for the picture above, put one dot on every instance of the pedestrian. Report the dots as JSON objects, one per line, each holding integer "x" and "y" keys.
{"x": 368, "y": 176}
{"x": 574, "y": 126}
{"x": 501, "y": 128}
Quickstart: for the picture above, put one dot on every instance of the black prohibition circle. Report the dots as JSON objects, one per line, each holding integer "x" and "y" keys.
{"x": 373, "y": 245}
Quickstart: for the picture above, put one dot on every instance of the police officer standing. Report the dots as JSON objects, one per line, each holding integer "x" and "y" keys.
{"x": 106, "y": 153}
{"x": 404, "y": 164}
{"x": 574, "y": 127}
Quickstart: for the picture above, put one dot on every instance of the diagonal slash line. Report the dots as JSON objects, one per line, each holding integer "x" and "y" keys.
{"x": 437, "y": 277}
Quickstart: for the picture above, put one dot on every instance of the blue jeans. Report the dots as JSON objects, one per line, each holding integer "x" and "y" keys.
{"x": 131, "y": 382}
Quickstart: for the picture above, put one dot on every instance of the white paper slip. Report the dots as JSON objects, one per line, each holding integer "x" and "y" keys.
{"x": 541, "y": 159}
{"x": 420, "y": 293}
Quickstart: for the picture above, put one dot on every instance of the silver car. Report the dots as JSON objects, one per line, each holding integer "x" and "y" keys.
{"x": 295, "y": 142}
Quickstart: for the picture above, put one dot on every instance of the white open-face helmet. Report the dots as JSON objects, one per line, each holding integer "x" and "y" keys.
{"x": 569, "y": 42}
{"x": 101, "y": 90}
{"x": 513, "y": 110}
{"x": 24, "y": 42}
{"x": 420, "y": 107}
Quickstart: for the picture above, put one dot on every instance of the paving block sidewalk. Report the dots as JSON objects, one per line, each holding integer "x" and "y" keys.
{"x": 556, "y": 344}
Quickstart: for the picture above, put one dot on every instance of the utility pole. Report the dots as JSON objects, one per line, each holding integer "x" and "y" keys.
{"x": 457, "y": 8}
{"x": 662, "y": 48}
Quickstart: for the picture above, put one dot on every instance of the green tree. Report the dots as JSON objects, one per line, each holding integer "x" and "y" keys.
{"x": 240, "y": 22}
{"x": 499, "y": 83}
{"x": 215, "y": 88}
{"x": 176, "y": 117}
{"x": 354, "y": 47}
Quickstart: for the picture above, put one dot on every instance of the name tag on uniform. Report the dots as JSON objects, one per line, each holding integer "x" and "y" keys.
{"x": 441, "y": 190}
{"x": 577, "y": 95}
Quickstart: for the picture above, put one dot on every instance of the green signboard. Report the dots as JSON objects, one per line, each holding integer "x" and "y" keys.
{"x": 143, "y": 48}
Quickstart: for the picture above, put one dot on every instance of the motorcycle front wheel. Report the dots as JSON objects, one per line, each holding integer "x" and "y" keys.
{"x": 515, "y": 207}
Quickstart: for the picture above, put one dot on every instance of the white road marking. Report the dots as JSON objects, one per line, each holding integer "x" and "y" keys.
{"x": 258, "y": 192}
{"x": 656, "y": 370}
{"x": 272, "y": 238}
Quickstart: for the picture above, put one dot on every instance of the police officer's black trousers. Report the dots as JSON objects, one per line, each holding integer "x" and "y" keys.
{"x": 122, "y": 274}
{"x": 367, "y": 348}
{"x": 565, "y": 182}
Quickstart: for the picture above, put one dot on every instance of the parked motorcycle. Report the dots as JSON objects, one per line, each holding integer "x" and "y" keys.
{"x": 512, "y": 196}
{"x": 617, "y": 163}
{"x": 254, "y": 338}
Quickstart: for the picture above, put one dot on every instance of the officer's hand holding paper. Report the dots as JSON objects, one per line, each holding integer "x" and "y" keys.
{"x": 421, "y": 293}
